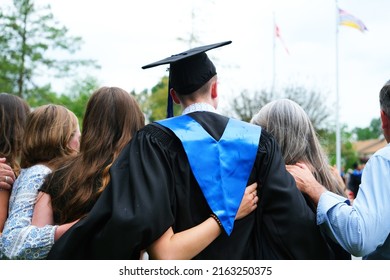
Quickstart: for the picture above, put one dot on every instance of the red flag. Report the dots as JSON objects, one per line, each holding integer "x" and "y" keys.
{"x": 277, "y": 34}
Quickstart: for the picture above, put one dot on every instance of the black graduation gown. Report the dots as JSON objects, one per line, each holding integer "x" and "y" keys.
{"x": 152, "y": 188}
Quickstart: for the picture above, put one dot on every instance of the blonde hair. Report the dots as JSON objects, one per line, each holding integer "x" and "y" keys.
{"x": 49, "y": 129}
{"x": 298, "y": 141}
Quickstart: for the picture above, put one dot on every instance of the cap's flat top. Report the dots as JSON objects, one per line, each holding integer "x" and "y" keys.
{"x": 191, "y": 52}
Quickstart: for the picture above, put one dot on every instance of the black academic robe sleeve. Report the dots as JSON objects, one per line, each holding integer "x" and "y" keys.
{"x": 132, "y": 212}
{"x": 286, "y": 224}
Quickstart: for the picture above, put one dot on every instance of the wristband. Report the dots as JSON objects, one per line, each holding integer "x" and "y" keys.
{"x": 216, "y": 219}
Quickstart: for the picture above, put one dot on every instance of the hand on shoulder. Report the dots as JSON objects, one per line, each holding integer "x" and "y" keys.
{"x": 7, "y": 176}
{"x": 305, "y": 181}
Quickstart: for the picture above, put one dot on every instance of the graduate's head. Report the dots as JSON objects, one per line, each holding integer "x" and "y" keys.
{"x": 189, "y": 71}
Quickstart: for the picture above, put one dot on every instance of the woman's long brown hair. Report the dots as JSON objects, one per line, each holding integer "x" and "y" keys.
{"x": 13, "y": 115}
{"x": 111, "y": 118}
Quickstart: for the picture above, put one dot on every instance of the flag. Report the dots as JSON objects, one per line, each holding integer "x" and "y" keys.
{"x": 347, "y": 19}
{"x": 277, "y": 35}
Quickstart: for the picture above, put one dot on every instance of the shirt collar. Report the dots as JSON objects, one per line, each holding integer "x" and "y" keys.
{"x": 199, "y": 107}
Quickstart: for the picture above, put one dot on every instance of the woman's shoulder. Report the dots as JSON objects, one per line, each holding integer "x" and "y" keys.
{"x": 38, "y": 170}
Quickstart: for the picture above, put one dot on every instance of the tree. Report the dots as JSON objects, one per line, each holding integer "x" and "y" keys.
{"x": 154, "y": 104}
{"x": 374, "y": 131}
{"x": 247, "y": 104}
{"x": 313, "y": 102}
{"x": 328, "y": 142}
{"x": 75, "y": 97}
{"x": 30, "y": 36}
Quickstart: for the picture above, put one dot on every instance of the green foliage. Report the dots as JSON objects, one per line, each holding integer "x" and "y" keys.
{"x": 75, "y": 98}
{"x": 81, "y": 92}
{"x": 374, "y": 131}
{"x": 78, "y": 94}
{"x": 348, "y": 154}
{"x": 328, "y": 141}
{"x": 154, "y": 104}
{"x": 42, "y": 95}
{"x": 30, "y": 43}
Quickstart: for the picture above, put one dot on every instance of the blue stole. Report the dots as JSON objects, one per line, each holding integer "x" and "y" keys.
{"x": 221, "y": 168}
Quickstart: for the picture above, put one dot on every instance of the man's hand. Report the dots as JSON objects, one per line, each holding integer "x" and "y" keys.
{"x": 7, "y": 176}
{"x": 306, "y": 182}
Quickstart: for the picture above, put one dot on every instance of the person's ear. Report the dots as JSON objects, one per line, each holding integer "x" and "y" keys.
{"x": 173, "y": 94}
{"x": 385, "y": 120}
{"x": 214, "y": 90}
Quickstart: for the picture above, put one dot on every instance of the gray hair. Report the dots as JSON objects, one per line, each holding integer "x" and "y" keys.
{"x": 298, "y": 141}
{"x": 384, "y": 98}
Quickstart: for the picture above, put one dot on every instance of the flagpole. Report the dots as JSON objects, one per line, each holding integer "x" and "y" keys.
{"x": 273, "y": 55}
{"x": 338, "y": 136}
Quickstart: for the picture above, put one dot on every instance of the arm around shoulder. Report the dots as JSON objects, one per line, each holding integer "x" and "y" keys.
{"x": 186, "y": 244}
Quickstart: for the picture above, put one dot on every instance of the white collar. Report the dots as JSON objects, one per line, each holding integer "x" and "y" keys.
{"x": 199, "y": 107}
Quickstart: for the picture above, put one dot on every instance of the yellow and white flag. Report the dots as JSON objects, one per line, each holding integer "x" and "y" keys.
{"x": 350, "y": 20}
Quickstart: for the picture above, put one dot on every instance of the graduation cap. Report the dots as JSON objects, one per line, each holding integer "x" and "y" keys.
{"x": 188, "y": 70}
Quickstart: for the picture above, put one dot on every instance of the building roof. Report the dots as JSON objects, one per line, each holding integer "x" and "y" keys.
{"x": 367, "y": 148}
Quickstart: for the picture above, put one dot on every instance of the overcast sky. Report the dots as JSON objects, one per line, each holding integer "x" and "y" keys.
{"x": 124, "y": 35}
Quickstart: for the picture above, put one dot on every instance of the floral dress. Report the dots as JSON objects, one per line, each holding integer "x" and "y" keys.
{"x": 20, "y": 239}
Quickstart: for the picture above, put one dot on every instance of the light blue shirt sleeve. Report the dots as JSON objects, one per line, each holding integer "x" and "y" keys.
{"x": 361, "y": 228}
{"x": 21, "y": 240}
